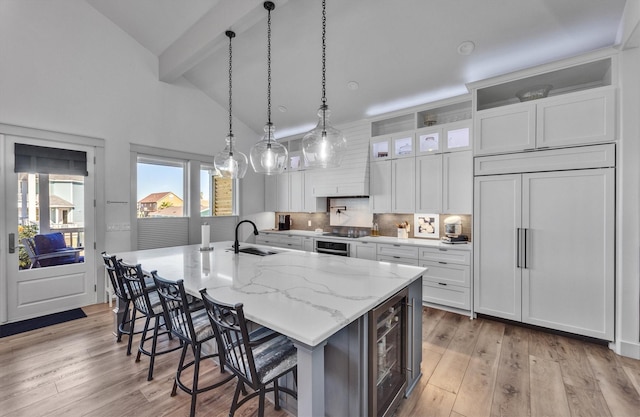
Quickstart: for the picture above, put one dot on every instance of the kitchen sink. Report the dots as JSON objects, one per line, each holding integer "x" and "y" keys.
{"x": 257, "y": 251}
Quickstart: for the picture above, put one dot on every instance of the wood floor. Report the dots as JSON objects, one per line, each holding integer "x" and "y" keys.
{"x": 470, "y": 368}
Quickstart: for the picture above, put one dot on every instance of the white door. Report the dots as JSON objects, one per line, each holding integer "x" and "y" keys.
{"x": 497, "y": 220}
{"x": 39, "y": 203}
{"x": 568, "y": 279}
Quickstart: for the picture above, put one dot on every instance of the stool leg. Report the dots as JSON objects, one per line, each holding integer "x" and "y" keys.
{"x": 276, "y": 395}
{"x": 132, "y": 326}
{"x": 196, "y": 371}
{"x": 143, "y": 338}
{"x": 179, "y": 372}
{"x": 236, "y": 395}
{"x": 154, "y": 343}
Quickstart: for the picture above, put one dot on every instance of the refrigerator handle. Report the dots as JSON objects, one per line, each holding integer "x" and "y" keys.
{"x": 526, "y": 233}
{"x": 518, "y": 230}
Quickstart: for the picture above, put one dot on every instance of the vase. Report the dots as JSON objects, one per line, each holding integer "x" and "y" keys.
{"x": 403, "y": 234}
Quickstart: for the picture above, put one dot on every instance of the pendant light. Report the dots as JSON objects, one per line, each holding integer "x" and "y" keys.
{"x": 268, "y": 156}
{"x": 229, "y": 162}
{"x": 324, "y": 146}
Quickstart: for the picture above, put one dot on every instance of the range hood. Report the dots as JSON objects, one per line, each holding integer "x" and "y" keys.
{"x": 352, "y": 177}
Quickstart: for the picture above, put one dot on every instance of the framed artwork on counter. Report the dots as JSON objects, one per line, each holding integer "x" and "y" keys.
{"x": 427, "y": 226}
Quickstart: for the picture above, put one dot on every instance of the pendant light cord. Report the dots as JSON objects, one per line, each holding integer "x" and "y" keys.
{"x": 324, "y": 64}
{"x": 230, "y": 34}
{"x": 269, "y": 8}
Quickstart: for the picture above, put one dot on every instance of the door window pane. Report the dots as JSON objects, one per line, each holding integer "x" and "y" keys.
{"x": 160, "y": 188}
{"x": 50, "y": 219}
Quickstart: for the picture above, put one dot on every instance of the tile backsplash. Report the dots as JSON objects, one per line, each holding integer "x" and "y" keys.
{"x": 386, "y": 222}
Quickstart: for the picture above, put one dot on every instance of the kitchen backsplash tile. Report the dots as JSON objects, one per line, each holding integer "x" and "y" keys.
{"x": 386, "y": 223}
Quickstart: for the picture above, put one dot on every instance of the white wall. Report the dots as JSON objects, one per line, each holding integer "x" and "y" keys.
{"x": 65, "y": 67}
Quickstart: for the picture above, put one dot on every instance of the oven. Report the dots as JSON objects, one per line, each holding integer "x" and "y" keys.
{"x": 332, "y": 247}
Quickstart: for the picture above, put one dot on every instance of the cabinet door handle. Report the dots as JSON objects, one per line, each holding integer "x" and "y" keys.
{"x": 396, "y": 257}
{"x": 444, "y": 284}
{"x": 443, "y": 263}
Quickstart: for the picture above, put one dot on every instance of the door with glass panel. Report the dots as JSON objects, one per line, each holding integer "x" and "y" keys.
{"x": 49, "y": 222}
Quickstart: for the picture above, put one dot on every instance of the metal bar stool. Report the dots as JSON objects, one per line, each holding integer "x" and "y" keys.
{"x": 147, "y": 302}
{"x": 258, "y": 359}
{"x": 188, "y": 321}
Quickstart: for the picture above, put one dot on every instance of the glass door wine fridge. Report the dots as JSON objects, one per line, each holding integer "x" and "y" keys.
{"x": 387, "y": 354}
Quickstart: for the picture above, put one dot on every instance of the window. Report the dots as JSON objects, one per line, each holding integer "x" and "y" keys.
{"x": 217, "y": 194}
{"x": 161, "y": 187}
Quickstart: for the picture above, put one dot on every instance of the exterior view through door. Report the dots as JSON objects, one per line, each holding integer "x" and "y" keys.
{"x": 49, "y": 189}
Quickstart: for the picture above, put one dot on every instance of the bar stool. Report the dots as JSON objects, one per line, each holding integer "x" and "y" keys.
{"x": 147, "y": 302}
{"x": 188, "y": 321}
{"x": 258, "y": 359}
{"x": 127, "y": 322}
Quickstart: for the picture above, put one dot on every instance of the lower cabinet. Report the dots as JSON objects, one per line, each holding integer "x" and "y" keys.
{"x": 363, "y": 250}
{"x": 447, "y": 281}
{"x": 308, "y": 244}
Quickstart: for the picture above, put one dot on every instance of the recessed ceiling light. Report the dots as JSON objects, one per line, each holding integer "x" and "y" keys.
{"x": 353, "y": 85}
{"x": 282, "y": 109}
{"x": 466, "y": 47}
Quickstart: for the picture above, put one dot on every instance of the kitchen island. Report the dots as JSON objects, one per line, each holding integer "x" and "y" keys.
{"x": 311, "y": 298}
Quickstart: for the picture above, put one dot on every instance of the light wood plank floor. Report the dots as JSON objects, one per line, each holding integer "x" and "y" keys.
{"x": 470, "y": 368}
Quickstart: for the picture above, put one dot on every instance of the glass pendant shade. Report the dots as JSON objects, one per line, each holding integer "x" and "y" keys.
{"x": 229, "y": 162}
{"x": 323, "y": 146}
{"x": 268, "y": 156}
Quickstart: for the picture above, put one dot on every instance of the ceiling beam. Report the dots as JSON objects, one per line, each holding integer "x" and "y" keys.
{"x": 207, "y": 35}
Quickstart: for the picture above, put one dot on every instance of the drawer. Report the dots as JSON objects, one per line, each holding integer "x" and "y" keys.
{"x": 398, "y": 260}
{"x": 453, "y": 256}
{"x": 268, "y": 240}
{"x": 448, "y": 295}
{"x": 392, "y": 249}
{"x": 444, "y": 273}
{"x": 290, "y": 240}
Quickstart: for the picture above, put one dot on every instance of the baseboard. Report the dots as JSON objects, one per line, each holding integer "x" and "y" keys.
{"x": 628, "y": 349}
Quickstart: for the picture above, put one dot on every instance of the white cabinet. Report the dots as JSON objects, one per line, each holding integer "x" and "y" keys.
{"x": 403, "y": 179}
{"x": 392, "y": 186}
{"x": 312, "y": 204}
{"x": 296, "y": 190}
{"x": 566, "y": 120}
{"x": 363, "y": 250}
{"x": 380, "y": 186}
{"x": 271, "y": 193}
{"x": 397, "y": 253}
{"x": 429, "y": 184}
{"x": 457, "y": 182}
{"x": 448, "y": 278}
{"x": 308, "y": 243}
{"x": 544, "y": 249}
{"x": 444, "y": 183}
{"x": 282, "y": 192}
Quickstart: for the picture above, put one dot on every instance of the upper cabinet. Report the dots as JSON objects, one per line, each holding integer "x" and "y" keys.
{"x": 571, "y": 106}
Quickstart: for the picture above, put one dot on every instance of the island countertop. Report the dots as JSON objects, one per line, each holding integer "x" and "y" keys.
{"x": 305, "y": 296}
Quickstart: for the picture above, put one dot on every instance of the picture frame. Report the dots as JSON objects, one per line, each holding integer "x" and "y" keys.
{"x": 426, "y": 226}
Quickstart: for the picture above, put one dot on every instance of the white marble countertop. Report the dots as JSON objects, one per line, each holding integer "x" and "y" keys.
{"x": 377, "y": 239}
{"x": 303, "y": 295}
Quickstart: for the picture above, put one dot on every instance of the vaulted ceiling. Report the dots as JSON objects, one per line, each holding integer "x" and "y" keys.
{"x": 401, "y": 53}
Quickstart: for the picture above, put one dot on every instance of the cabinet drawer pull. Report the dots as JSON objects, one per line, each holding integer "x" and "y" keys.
{"x": 443, "y": 263}
{"x": 442, "y": 283}
{"x": 396, "y": 245}
{"x": 443, "y": 249}
{"x": 396, "y": 257}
